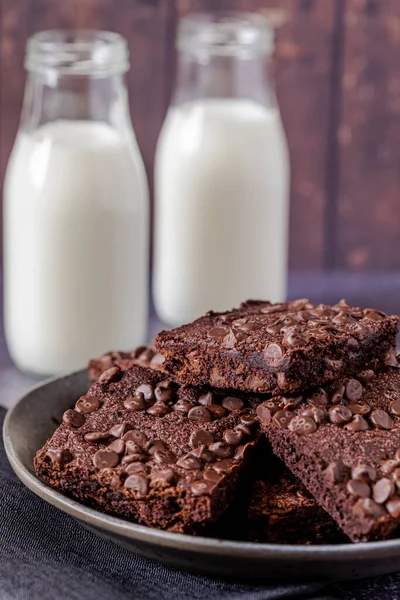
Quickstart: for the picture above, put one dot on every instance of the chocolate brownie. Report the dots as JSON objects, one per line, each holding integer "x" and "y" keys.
{"x": 276, "y": 508}
{"x": 344, "y": 445}
{"x": 139, "y": 446}
{"x": 277, "y": 348}
{"x": 145, "y": 356}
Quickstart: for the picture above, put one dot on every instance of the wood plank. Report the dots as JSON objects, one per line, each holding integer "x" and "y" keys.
{"x": 368, "y": 219}
{"x": 303, "y": 68}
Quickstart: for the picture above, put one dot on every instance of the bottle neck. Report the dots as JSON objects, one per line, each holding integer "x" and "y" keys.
{"x": 51, "y": 96}
{"x": 217, "y": 76}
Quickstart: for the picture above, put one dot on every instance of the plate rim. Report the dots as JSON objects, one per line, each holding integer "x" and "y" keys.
{"x": 205, "y": 545}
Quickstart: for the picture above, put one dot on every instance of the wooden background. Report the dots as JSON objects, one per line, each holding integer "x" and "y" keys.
{"x": 337, "y": 65}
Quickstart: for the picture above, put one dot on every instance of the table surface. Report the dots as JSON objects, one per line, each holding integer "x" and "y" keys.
{"x": 379, "y": 290}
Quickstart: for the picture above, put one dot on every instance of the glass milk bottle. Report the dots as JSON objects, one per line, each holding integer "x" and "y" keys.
{"x": 75, "y": 208}
{"x": 221, "y": 173}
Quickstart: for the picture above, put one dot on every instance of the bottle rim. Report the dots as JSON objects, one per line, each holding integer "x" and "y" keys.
{"x": 77, "y": 52}
{"x": 225, "y": 33}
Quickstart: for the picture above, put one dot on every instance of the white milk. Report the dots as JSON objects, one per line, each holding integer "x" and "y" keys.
{"x": 76, "y": 237}
{"x": 222, "y": 190}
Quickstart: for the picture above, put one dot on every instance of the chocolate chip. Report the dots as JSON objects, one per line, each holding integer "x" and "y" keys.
{"x": 110, "y": 375}
{"x": 146, "y": 390}
{"x": 373, "y": 316}
{"x": 164, "y": 456}
{"x": 146, "y": 355}
{"x": 362, "y": 472}
{"x": 248, "y": 420}
{"x": 200, "y": 414}
{"x": 358, "y": 423}
{"x": 87, "y": 404}
{"x": 164, "y": 391}
{"x": 264, "y": 412}
{"x": 129, "y": 459}
{"x": 354, "y": 389}
{"x": 336, "y": 471}
{"x": 232, "y": 403}
{"x": 202, "y": 488}
{"x": 318, "y": 398}
{"x": 339, "y": 415}
{"x": 395, "y": 407}
{"x": 223, "y": 466}
{"x": 302, "y": 425}
{"x": 367, "y": 508}
{"x": 243, "y": 452}
{"x": 396, "y": 477}
{"x": 136, "y": 468}
{"x": 132, "y": 448}
{"x": 220, "y": 449}
{"x": 366, "y": 376}
{"x": 217, "y": 333}
{"x": 203, "y": 453}
{"x": 73, "y": 418}
{"x": 274, "y": 328}
{"x": 388, "y": 466}
{"x": 319, "y": 415}
{"x": 157, "y": 445}
{"x": 233, "y": 437}
{"x": 206, "y": 399}
{"x": 158, "y": 360}
{"x": 359, "y": 408}
{"x": 159, "y": 409}
{"x": 118, "y": 446}
{"x": 358, "y": 488}
{"x": 183, "y": 406}
{"x": 338, "y": 394}
{"x": 160, "y": 479}
{"x": 282, "y": 418}
{"x": 96, "y": 436}
{"x": 59, "y": 457}
{"x": 138, "y": 484}
{"x": 119, "y": 430}
{"x": 245, "y": 429}
{"x": 189, "y": 463}
{"x": 381, "y": 419}
{"x": 200, "y": 438}
{"x": 105, "y": 459}
{"x": 382, "y": 490}
{"x": 211, "y": 475}
{"x": 393, "y": 507}
{"x": 273, "y": 354}
{"x": 217, "y": 411}
{"x": 136, "y": 436}
{"x": 294, "y": 339}
{"x": 135, "y": 402}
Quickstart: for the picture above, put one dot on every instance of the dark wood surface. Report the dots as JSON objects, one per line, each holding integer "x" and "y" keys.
{"x": 338, "y": 82}
{"x": 361, "y": 289}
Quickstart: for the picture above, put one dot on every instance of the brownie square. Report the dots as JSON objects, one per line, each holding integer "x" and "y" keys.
{"x": 344, "y": 445}
{"x": 141, "y": 447}
{"x": 277, "y": 348}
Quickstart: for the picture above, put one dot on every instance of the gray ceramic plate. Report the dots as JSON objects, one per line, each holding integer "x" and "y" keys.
{"x": 33, "y": 419}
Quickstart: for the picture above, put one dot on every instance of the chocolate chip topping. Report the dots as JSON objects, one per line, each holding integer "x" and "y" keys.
{"x": 282, "y": 419}
{"x": 395, "y": 407}
{"x": 118, "y": 446}
{"x": 381, "y": 419}
{"x": 201, "y": 438}
{"x": 217, "y": 333}
{"x": 137, "y": 484}
{"x": 164, "y": 456}
{"x": 189, "y": 462}
{"x": 233, "y": 437}
{"x": 339, "y": 415}
{"x": 363, "y": 472}
{"x": 136, "y": 468}
{"x": 159, "y": 409}
{"x": 87, "y": 404}
{"x": 201, "y": 487}
{"x": 318, "y": 398}
{"x": 383, "y": 490}
{"x": 119, "y": 430}
{"x": 319, "y": 415}
{"x": 338, "y": 394}
{"x": 71, "y": 418}
{"x": 302, "y": 425}
{"x": 358, "y": 488}
{"x": 359, "y": 407}
{"x": 105, "y": 459}
{"x": 354, "y": 389}
{"x": 136, "y": 436}
{"x": 59, "y": 457}
{"x": 232, "y": 403}
{"x": 358, "y": 423}
{"x": 367, "y": 508}
{"x": 110, "y": 375}
{"x": 136, "y": 402}
{"x": 393, "y": 507}
{"x": 273, "y": 354}
{"x": 96, "y": 436}
{"x": 200, "y": 413}
{"x": 223, "y": 466}
{"x": 206, "y": 399}
{"x": 146, "y": 390}
{"x": 220, "y": 449}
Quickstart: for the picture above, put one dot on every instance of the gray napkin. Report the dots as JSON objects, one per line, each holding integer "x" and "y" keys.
{"x": 47, "y": 555}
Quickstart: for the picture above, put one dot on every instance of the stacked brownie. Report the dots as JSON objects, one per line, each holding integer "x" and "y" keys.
{"x": 166, "y": 436}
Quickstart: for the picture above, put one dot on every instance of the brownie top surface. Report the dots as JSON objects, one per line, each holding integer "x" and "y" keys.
{"x": 351, "y": 433}
{"x": 138, "y": 424}
{"x": 277, "y": 330}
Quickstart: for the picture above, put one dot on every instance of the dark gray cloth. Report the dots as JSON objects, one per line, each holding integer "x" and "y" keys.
{"x": 46, "y": 555}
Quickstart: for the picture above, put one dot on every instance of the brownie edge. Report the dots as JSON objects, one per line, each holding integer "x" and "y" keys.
{"x": 277, "y": 348}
